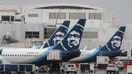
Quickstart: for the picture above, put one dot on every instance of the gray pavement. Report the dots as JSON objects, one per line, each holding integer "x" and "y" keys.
{"x": 96, "y": 72}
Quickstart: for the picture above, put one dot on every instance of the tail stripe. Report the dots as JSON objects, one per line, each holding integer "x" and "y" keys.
{"x": 63, "y": 46}
{"x": 108, "y": 47}
{"x": 80, "y": 25}
{"x": 121, "y": 31}
{"x": 64, "y": 26}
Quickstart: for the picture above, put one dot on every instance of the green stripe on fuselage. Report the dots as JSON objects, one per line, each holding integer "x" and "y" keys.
{"x": 35, "y": 58}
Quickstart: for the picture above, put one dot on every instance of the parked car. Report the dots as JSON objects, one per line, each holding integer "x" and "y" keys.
{"x": 71, "y": 68}
{"x": 112, "y": 68}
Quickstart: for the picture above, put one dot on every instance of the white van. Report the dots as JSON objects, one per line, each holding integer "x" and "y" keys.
{"x": 112, "y": 68}
{"x": 69, "y": 68}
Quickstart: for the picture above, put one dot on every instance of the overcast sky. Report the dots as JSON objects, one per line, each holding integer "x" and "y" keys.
{"x": 122, "y": 9}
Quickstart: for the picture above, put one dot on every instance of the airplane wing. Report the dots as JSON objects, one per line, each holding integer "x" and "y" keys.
{"x": 72, "y": 54}
{"x": 117, "y": 53}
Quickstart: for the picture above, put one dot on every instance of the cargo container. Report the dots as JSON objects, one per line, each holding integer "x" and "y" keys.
{"x": 129, "y": 69}
{"x": 102, "y": 61}
{"x": 27, "y": 67}
{"x": 14, "y": 67}
{"x": 54, "y": 55}
{"x": 1, "y": 68}
{"x": 7, "y": 67}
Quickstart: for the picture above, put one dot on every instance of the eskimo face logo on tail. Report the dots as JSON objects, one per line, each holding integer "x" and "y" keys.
{"x": 58, "y": 37}
{"x": 73, "y": 39}
{"x": 116, "y": 42}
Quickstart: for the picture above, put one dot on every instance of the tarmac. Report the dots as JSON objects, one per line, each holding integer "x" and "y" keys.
{"x": 101, "y": 71}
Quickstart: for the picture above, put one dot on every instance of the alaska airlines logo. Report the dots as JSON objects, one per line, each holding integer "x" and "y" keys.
{"x": 73, "y": 39}
{"x": 58, "y": 37}
{"x": 116, "y": 42}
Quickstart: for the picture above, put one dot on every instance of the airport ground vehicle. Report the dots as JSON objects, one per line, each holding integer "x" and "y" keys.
{"x": 129, "y": 69}
{"x": 63, "y": 67}
{"x": 112, "y": 68}
{"x": 102, "y": 61}
{"x": 42, "y": 69}
{"x": 54, "y": 67}
{"x": 84, "y": 67}
{"x": 71, "y": 68}
{"x": 120, "y": 65}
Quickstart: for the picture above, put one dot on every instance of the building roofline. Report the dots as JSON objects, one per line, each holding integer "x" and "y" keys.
{"x": 49, "y": 6}
{"x": 65, "y": 6}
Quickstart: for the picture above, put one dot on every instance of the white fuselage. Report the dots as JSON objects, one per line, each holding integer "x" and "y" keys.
{"x": 28, "y": 55}
{"x": 21, "y": 55}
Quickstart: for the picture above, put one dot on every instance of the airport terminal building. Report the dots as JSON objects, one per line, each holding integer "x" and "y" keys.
{"x": 39, "y": 21}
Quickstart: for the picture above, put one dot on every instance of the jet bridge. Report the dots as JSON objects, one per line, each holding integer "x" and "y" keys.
{"x": 7, "y": 39}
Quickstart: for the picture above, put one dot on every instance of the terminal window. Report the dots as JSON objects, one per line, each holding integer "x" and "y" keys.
{"x": 30, "y": 34}
{"x": 90, "y": 35}
{"x": 77, "y": 15}
{"x": 48, "y": 31}
{"x": 95, "y": 16}
{"x": 7, "y": 18}
{"x": 57, "y": 15}
{"x": 32, "y": 15}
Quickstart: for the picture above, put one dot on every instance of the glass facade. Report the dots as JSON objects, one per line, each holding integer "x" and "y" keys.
{"x": 57, "y": 15}
{"x": 95, "y": 16}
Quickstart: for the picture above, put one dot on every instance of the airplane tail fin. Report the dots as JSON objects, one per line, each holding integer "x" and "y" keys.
{"x": 72, "y": 40}
{"x": 58, "y": 35}
{"x": 115, "y": 42}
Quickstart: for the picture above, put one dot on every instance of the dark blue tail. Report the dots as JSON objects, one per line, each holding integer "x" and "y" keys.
{"x": 73, "y": 38}
{"x": 58, "y": 35}
{"x": 115, "y": 42}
